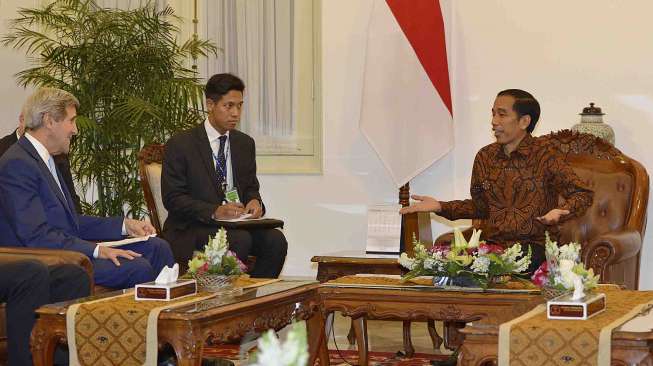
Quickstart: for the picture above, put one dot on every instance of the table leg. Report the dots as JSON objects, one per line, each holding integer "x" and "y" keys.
{"x": 360, "y": 329}
{"x": 184, "y": 340}
{"x": 317, "y": 344}
{"x": 408, "y": 343}
{"x": 452, "y": 336}
{"x": 351, "y": 336}
{"x": 435, "y": 337}
{"x": 43, "y": 341}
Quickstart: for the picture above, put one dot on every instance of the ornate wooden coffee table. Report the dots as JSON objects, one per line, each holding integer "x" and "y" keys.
{"x": 411, "y": 304}
{"x": 481, "y": 347}
{"x": 215, "y": 321}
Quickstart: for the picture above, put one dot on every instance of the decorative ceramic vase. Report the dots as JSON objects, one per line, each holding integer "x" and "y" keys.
{"x": 591, "y": 121}
{"x": 215, "y": 283}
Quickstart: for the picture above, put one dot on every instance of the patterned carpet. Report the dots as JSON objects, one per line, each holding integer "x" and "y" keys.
{"x": 338, "y": 358}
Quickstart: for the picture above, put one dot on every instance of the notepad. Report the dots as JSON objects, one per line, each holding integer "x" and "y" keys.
{"x": 119, "y": 243}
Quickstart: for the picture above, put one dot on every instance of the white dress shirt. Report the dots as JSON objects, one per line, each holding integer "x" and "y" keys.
{"x": 214, "y": 140}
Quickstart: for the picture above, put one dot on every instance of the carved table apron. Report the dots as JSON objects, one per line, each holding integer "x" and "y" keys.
{"x": 187, "y": 329}
{"x": 362, "y": 303}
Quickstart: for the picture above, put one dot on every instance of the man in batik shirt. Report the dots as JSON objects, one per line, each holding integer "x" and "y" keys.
{"x": 516, "y": 182}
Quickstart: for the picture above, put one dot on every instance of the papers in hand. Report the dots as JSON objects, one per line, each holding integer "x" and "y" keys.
{"x": 118, "y": 243}
{"x": 243, "y": 217}
{"x": 168, "y": 275}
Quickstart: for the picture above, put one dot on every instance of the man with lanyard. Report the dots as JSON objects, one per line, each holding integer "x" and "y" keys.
{"x": 209, "y": 174}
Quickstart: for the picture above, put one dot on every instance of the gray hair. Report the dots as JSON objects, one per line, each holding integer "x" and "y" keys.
{"x": 47, "y": 101}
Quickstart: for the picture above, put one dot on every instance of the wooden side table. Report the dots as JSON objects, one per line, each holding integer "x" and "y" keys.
{"x": 215, "y": 321}
{"x": 349, "y": 263}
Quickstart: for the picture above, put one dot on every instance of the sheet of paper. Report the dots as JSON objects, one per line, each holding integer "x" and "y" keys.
{"x": 118, "y": 243}
{"x": 383, "y": 228}
{"x": 243, "y": 217}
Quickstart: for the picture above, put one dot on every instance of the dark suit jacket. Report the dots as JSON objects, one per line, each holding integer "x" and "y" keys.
{"x": 34, "y": 213}
{"x": 63, "y": 164}
{"x": 189, "y": 184}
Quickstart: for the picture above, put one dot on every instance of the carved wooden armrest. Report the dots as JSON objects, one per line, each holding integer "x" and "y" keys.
{"x": 48, "y": 256}
{"x": 611, "y": 248}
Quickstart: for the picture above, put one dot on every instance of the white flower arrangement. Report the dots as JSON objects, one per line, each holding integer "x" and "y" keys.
{"x": 473, "y": 259}
{"x": 563, "y": 269}
{"x": 292, "y": 352}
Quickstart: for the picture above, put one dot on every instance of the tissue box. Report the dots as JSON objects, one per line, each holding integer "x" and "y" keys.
{"x": 563, "y": 307}
{"x": 165, "y": 292}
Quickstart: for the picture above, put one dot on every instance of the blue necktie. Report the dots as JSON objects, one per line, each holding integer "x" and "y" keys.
{"x": 221, "y": 163}
{"x": 53, "y": 170}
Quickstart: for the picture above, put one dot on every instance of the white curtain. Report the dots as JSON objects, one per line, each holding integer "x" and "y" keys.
{"x": 255, "y": 38}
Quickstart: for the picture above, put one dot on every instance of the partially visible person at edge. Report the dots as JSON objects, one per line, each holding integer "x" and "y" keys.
{"x": 516, "y": 182}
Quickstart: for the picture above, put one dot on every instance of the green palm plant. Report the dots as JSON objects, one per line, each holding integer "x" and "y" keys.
{"x": 128, "y": 71}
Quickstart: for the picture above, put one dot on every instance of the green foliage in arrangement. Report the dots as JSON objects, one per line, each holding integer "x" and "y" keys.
{"x": 128, "y": 70}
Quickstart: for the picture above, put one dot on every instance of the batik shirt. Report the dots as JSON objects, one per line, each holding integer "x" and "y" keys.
{"x": 510, "y": 191}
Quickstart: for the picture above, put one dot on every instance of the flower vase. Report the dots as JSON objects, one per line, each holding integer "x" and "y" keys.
{"x": 215, "y": 282}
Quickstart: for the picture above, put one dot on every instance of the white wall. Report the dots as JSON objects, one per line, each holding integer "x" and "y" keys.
{"x": 11, "y": 61}
{"x": 566, "y": 53}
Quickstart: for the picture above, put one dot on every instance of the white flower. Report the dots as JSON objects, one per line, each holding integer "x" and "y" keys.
{"x": 293, "y": 352}
{"x": 567, "y": 274}
{"x": 406, "y": 262}
{"x": 570, "y": 251}
{"x": 217, "y": 247}
{"x": 511, "y": 254}
{"x": 481, "y": 264}
{"x": 460, "y": 242}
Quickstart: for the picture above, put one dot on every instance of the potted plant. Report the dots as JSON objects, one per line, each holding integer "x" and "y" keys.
{"x": 127, "y": 68}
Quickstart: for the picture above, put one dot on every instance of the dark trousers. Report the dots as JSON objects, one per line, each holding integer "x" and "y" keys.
{"x": 268, "y": 245}
{"x": 26, "y": 285}
{"x": 156, "y": 254}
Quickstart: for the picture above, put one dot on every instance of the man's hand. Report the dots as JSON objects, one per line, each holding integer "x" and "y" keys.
{"x": 138, "y": 228}
{"x": 230, "y": 210}
{"x": 425, "y": 204}
{"x": 552, "y": 217}
{"x": 254, "y": 207}
{"x": 113, "y": 254}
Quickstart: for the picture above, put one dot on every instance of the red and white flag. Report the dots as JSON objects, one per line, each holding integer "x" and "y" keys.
{"x": 406, "y": 104}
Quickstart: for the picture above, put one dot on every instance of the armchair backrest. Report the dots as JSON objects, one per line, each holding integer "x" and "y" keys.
{"x": 150, "y": 160}
{"x": 620, "y": 186}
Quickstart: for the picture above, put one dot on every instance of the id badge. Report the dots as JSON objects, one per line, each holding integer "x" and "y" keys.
{"x": 232, "y": 196}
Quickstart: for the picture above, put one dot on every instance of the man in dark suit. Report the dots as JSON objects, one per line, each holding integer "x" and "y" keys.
{"x": 26, "y": 285}
{"x": 36, "y": 208}
{"x": 62, "y": 162}
{"x": 209, "y": 174}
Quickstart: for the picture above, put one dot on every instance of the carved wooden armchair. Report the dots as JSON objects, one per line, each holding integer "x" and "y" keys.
{"x": 612, "y": 230}
{"x": 150, "y": 160}
{"x": 47, "y": 256}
